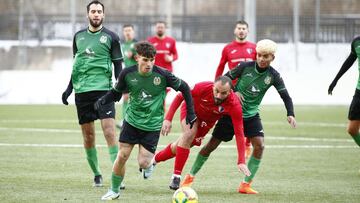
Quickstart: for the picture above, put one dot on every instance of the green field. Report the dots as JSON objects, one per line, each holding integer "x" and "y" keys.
{"x": 42, "y": 160}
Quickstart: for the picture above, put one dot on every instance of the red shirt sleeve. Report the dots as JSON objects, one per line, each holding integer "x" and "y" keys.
{"x": 237, "y": 120}
{"x": 221, "y": 66}
{"x": 174, "y": 52}
{"x": 174, "y": 106}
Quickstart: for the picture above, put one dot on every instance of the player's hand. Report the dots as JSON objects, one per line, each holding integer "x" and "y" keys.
{"x": 244, "y": 169}
{"x": 99, "y": 103}
{"x": 168, "y": 58}
{"x": 240, "y": 96}
{"x": 190, "y": 119}
{"x": 65, "y": 96}
{"x": 166, "y": 127}
{"x": 291, "y": 120}
{"x": 331, "y": 87}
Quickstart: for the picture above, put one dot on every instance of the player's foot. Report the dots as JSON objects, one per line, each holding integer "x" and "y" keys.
{"x": 98, "y": 181}
{"x": 188, "y": 181}
{"x": 110, "y": 195}
{"x": 147, "y": 172}
{"x": 122, "y": 186}
{"x": 245, "y": 188}
{"x": 247, "y": 151}
{"x": 175, "y": 182}
{"x": 120, "y": 124}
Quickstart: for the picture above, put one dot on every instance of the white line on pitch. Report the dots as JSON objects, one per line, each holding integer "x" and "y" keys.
{"x": 49, "y": 130}
{"x": 221, "y": 146}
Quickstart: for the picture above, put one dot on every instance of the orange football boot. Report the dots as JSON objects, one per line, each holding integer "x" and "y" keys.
{"x": 188, "y": 180}
{"x": 245, "y": 188}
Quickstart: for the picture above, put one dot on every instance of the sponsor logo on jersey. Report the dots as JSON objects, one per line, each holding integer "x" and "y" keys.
{"x": 155, "y": 44}
{"x": 203, "y": 124}
{"x": 167, "y": 45}
{"x": 248, "y": 75}
{"x": 249, "y": 50}
{"x": 267, "y": 80}
{"x": 134, "y": 80}
{"x": 157, "y": 81}
{"x": 221, "y": 109}
{"x": 89, "y": 52}
{"x": 103, "y": 39}
{"x": 254, "y": 89}
{"x": 233, "y": 51}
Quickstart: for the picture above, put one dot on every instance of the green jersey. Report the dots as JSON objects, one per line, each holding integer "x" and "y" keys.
{"x": 253, "y": 85}
{"x": 146, "y": 95}
{"x": 355, "y": 49}
{"x": 94, "y": 53}
{"x": 129, "y": 46}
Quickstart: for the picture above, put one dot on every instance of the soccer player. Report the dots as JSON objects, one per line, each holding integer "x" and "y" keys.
{"x": 94, "y": 48}
{"x": 128, "y": 49}
{"x": 146, "y": 84}
{"x": 239, "y": 50}
{"x": 354, "y": 111}
{"x": 165, "y": 46}
{"x": 212, "y": 100}
{"x": 254, "y": 79}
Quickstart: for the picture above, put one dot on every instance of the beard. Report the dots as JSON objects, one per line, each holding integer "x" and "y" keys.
{"x": 160, "y": 34}
{"x": 218, "y": 101}
{"x": 97, "y": 23}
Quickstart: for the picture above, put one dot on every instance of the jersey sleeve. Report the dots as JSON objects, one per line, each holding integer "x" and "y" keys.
{"x": 172, "y": 81}
{"x": 236, "y": 72}
{"x": 174, "y": 106}
{"x": 120, "y": 85}
{"x": 237, "y": 120}
{"x": 221, "y": 66}
{"x": 74, "y": 47}
{"x": 116, "y": 53}
{"x": 278, "y": 81}
{"x": 174, "y": 52}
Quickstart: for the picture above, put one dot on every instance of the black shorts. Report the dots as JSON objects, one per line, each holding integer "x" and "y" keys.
{"x": 132, "y": 135}
{"x": 354, "y": 110}
{"x": 224, "y": 130}
{"x": 85, "y": 107}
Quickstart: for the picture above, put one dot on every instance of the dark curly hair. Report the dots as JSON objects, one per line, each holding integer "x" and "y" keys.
{"x": 145, "y": 49}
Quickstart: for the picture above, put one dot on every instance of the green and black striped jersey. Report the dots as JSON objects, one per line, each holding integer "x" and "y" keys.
{"x": 253, "y": 85}
{"x": 146, "y": 95}
{"x": 94, "y": 53}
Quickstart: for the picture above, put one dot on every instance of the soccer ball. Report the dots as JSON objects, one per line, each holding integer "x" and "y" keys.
{"x": 185, "y": 195}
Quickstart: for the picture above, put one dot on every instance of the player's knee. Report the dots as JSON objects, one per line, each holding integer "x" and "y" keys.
{"x": 352, "y": 131}
{"x": 144, "y": 163}
{"x": 259, "y": 147}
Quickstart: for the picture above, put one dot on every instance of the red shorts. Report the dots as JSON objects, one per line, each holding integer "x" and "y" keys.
{"x": 203, "y": 127}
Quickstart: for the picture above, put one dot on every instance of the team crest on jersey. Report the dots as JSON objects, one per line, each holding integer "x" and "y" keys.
{"x": 103, "y": 39}
{"x": 249, "y": 50}
{"x": 157, "y": 81}
{"x": 267, "y": 80}
{"x": 221, "y": 109}
{"x": 167, "y": 45}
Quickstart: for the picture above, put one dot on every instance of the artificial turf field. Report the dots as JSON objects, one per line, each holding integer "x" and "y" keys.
{"x": 42, "y": 160}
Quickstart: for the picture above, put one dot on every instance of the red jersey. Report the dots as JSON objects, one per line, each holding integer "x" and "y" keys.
{"x": 208, "y": 113}
{"x": 235, "y": 52}
{"x": 166, "y": 46}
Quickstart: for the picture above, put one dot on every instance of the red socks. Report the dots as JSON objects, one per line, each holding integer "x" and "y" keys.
{"x": 164, "y": 154}
{"x": 182, "y": 155}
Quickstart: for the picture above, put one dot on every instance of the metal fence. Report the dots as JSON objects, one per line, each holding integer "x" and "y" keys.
{"x": 336, "y": 27}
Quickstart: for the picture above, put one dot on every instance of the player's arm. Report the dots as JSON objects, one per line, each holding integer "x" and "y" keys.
{"x": 116, "y": 55}
{"x": 166, "y": 127}
{"x": 345, "y": 66}
{"x": 237, "y": 120}
{"x": 114, "y": 94}
{"x": 236, "y": 72}
{"x": 280, "y": 87}
{"x": 221, "y": 66}
{"x": 174, "y": 52}
{"x": 65, "y": 95}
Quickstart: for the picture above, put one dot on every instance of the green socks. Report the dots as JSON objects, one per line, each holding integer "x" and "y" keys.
{"x": 253, "y": 166}
{"x": 357, "y": 139}
{"x": 199, "y": 162}
{"x": 116, "y": 182}
{"x": 113, "y": 153}
{"x": 91, "y": 156}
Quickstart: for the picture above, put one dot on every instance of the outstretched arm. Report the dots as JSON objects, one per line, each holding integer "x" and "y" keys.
{"x": 190, "y": 114}
{"x": 346, "y": 65}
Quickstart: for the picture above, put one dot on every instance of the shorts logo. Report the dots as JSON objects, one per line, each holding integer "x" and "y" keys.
{"x": 103, "y": 39}
{"x": 157, "y": 81}
{"x": 267, "y": 80}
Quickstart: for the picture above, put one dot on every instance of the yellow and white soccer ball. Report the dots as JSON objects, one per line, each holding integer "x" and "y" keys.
{"x": 185, "y": 195}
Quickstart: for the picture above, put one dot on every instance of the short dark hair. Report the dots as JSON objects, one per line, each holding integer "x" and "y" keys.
{"x": 95, "y": 2}
{"x": 224, "y": 79}
{"x": 242, "y": 22}
{"x": 161, "y": 22}
{"x": 128, "y": 25}
{"x": 145, "y": 49}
